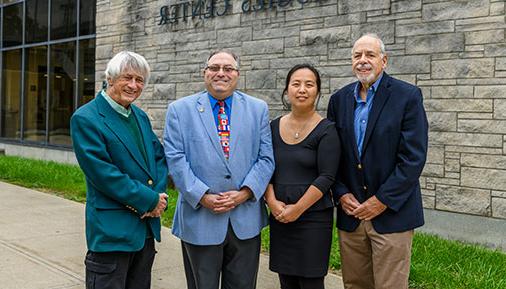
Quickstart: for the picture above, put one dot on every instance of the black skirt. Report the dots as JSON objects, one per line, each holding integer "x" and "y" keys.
{"x": 302, "y": 248}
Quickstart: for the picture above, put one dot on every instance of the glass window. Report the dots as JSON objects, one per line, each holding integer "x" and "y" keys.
{"x": 13, "y": 25}
{"x": 36, "y": 21}
{"x": 11, "y": 92}
{"x": 62, "y": 73}
{"x": 63, "y": 19}
{"x": 35, "y": 94}
{"x": 87, "y": 10}
{"x": 86, "y": 70}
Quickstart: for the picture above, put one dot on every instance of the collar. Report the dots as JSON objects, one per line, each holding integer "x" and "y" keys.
{"x": 373, "y": 89}
{"x": 117, "y": 107}
{"x": 214, "y": 101}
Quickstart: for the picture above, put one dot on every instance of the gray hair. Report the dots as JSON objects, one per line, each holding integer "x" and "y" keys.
{"x": 227, "y": 51}
{"x": 127, "y": 60}
{"x": 375, "y": 36}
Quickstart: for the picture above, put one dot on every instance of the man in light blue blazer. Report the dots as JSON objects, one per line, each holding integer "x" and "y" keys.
{"x": 218, "y": 146}
{"x": 126, "y": 178}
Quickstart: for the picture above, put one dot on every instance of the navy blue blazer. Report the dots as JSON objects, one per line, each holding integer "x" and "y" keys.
{"x": 393, "y": 154}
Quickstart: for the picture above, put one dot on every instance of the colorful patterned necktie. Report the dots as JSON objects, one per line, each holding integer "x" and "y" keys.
{"x": 223, "y": 129}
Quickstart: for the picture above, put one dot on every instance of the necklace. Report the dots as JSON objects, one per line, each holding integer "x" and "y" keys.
{"x": 298, "y": 132}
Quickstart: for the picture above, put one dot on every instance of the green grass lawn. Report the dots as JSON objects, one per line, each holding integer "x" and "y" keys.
{"x": 436, "y": 263}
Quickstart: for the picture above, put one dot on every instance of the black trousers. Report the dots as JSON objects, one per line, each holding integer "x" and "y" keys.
{"x": 236, "y": 260}
{"x": 298, "y": 282}
{"x": 120, "y": 270}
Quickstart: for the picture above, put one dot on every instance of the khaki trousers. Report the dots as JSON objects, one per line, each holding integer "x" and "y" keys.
{"x": 371, "y": 260}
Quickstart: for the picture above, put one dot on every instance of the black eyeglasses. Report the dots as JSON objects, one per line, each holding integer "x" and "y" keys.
{"x": 217, "y": 68}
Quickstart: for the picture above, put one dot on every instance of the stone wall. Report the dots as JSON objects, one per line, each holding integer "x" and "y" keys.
{"x": 455, "y": 51}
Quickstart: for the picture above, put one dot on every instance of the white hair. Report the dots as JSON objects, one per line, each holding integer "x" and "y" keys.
{"x": 125, "y": 61}
{"x": 375, "y": 36}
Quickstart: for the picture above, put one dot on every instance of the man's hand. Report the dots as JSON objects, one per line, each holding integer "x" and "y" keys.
{"x": 160, "y": 207}
{"x": 238, "y": 197}
{"x": 217, "y": 203}
{"x": 349, "y": 203}
{"x": 369, "y": 209}
{"x": 290, "y": 214}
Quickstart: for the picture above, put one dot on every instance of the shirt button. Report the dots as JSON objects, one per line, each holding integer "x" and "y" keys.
{"x": 359, "y": 166}
{"x": 150, "y": 182}
{"x": 363, "y": 121}
{"x": 228, "y": 177}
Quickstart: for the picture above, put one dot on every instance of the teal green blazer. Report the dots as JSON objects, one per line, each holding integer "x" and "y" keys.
{"x": 121, "y": 186}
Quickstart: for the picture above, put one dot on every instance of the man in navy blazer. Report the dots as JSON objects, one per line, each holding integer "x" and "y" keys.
{"x": 383, "y": 130}
{"x": 218, "y": 146}
{"x": 126, "y": 178}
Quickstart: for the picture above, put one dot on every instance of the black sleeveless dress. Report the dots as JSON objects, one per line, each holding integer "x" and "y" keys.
{"x": 302, "y": 248}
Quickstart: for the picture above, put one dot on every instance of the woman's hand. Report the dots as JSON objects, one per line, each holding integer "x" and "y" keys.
{"x": 276, "y": 207}
{"x": 290, "y": 214}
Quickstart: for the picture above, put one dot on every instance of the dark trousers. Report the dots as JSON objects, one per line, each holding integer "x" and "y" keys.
{"x": 298, "y": 282}
{"x": 120, "y": 270}
{"x": 236, "y": 260}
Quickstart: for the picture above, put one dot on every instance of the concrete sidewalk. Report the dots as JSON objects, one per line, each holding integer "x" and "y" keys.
{"x": 42, "y": 246}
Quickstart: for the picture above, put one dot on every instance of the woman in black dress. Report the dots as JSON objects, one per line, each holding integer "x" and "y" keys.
{"x": 306, "y": 150}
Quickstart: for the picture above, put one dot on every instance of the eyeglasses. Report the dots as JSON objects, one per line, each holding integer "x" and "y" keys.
{"x": 217, "y": 68}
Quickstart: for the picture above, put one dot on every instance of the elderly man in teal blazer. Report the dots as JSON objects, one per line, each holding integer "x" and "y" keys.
{"x": 218, "y": 147}
{"x": 126, "y": 178}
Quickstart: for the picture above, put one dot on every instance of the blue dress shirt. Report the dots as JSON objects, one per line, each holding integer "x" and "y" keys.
{"x": 362, "y": 109}
{"x": 216, "y": 108}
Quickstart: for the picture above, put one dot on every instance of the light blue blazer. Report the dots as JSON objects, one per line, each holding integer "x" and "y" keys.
{"x": 197, "y": 163}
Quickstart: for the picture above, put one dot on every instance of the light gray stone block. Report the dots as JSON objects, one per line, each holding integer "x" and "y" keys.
{"x": 429, "y": 202}
{"x": 493, "y": 50}
{"x": 484, "y": 161}
{"x": 482, "y": 125}
{"x": 433, "y": 170}
{"x": 452, "y": 91}
{"x": 500, "y": 108}
{"x": 436, "y": 43}
{"x": 267, "y": 33}
{"x": 385, "y": 30}
{"x": 490, "y": 91}
{"x": 350, "y": 6}
{"x": 484, "y": 37}
{"x": 409, "y": 64}
{"x": 328, "y": 35}
{"x": 164, "y": 91}
{"x": 499, "y": 208}
{"x": 466, "y": 105}
{"x": 463, "y": 200}
{"x": 261, "y": 79}
{"x": 465, "y": 68}
{"x": 262, "y": 46}
{"x": 316, "y": 12}
{"x": 424, "y": 28}
{"x": 452, "y": 165}
{"x": 234, "y": 35}
{"x": 465, "y": 139}
{"x": 484, "y": 178}
{"x": 405, "y": 6}
{"x": 435, "y": 154}
{"x": 455, "y": 9}
{"x": 500, "y": 63}
{"x": 442, "y": 121}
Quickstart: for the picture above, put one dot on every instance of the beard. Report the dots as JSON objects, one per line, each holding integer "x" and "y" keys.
{"x": 369, "y": 78}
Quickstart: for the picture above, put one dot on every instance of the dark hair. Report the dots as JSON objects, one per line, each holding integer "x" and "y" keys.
{"x": 289, "y": 76}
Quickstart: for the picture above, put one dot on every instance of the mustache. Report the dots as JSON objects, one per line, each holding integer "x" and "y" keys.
{"x": 364, "y": 66}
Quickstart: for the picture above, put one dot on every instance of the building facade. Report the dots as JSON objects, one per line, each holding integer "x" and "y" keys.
{"x": 455, "y": 51}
